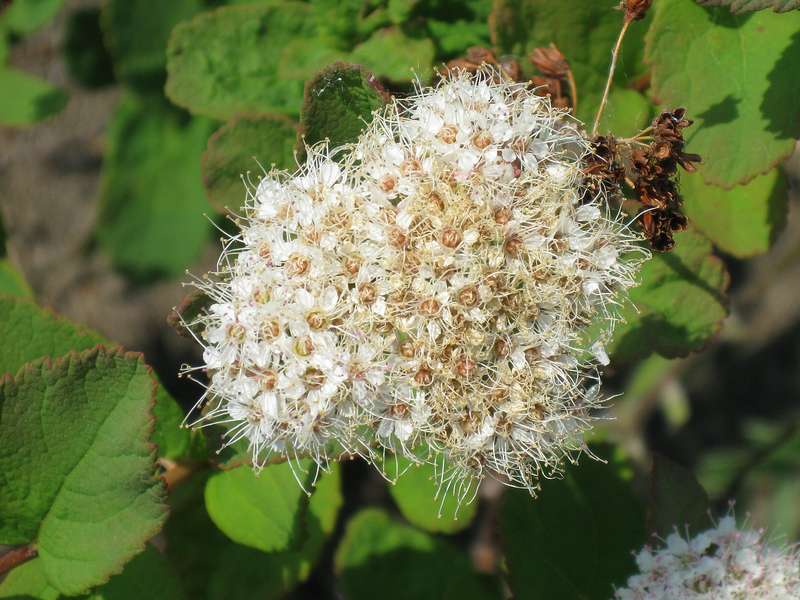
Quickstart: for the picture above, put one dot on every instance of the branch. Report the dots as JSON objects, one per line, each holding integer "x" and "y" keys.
{"x": 15, "y": 557}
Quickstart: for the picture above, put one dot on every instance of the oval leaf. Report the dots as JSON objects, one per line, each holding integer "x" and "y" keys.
{"x": 76, "y": 466}
{"x": 263, "y": 511}
{"x": 378, "y": 553}
{"x": 748, "y": 97}
{"x": 743, "y": 221}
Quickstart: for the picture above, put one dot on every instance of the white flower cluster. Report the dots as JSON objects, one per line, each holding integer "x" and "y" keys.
{"x": 722, "y": 563}
{"x": 427, "y": 287}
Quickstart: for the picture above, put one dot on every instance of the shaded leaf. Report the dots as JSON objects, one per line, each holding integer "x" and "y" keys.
{"x": 749, "y": 91}
{"x": 33, "y": 99}
{"x": 626, "y": 114}
{"x": 743, "y": 221}
{"x": 172, "y": 440}
{"x": 139, "y": 57}
{"x": 152, "y": 202}
{"x": 339, "y": 101}
{"x": 243, "y": 573}
{"x": 415, "y": 492}
{"x": 76, "y": 468}
{"x": 242, "y": 145}
{"x": 678, "y": 306}
{"x": 377, "y": 553}
{"x": 455, "y": 38}
{"x": 573, "y": 542}
{"x": 148, "y": 576}
{"x": 85, "y": 52}
{"x": 227, "y": 61}
{"x": 263, "y": 511}
{"x": 738, "y": 6}
{"x": 37, "y": 333}
{"x": 228, "y": 571}
{"x": 676, "y": 499}
{"x": 395, "y": 55}
{"x": 12, "y": 282}
{"x": 584, "y": 30}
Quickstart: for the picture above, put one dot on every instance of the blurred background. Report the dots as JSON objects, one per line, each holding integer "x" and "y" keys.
{"x": 103, "y": 208}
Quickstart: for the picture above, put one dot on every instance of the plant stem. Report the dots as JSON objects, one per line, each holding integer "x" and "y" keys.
{"x": 15, "y": 557}
{"x": 573, "y": 91}
{"x": 614, "y": 55}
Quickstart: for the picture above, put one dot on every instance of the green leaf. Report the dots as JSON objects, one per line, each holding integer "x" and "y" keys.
{"x": 584, "y": 30}
{"x": 227, "y": 61}
{"x": 85, "y": 52}
{"x": 676, "y": 499}
{"x": 25, "y": 16}
{"x": 380, "y": 556}
{"x": 41, "y": 333}
{"x": 739, "y": 6}
{"x": 243, "y": 573}
{"x": 748, "y": 98}
{"x": 151, "y": 218}
{"x": 228, "y": 571}
{"x": 395, "y": 55}
{"x": 76, "y": 468}
{"x": 263, "y": 511}
{"x": 626, "y": 114}
{"x": 148, "y": 576}
{"x": 678, "y": 306}
{"x": 33, "y": 99}
{"x": 37, "y": 333}
{"x": 172, "y": 440}
{"x": 573, "y": 542}
{"x": 12, "y": 282}
{"x": 455, "y": 38}
{"x": 339, "y": 101}
{"x": 417, "y": 494}
{"x": 139, "y": 57}
{"x": 241, "y": 145}
{"x": 28, "y": 580}
{"x": 743, "y": 221}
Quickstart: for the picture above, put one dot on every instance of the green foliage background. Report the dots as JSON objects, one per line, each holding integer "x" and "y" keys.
{"x": 118, "y": 501}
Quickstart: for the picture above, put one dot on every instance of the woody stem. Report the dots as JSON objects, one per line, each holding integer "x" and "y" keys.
{"x": 15, "y": 557}
{"x": 573, "y": 91}
{"x": 614, "y": 55}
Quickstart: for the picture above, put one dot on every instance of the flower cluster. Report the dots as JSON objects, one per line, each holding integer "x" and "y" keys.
{"x": 722, "y": 563}
{"x": 430, "y": 286}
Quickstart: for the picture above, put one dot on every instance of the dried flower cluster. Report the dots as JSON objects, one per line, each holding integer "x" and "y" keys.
{"x": 722, "y": 563}
{"x": 428, "y": 287}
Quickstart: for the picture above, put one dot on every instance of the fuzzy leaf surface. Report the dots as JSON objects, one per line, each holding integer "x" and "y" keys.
{"x": 263, "y": 511}
{"x": 244, "y": 59}
{"x": 743, "y": 221}
{"x": 678, "y": 306}
{"x": 575, "y": 540}
{"x": 747, "y": 95}
{"x": 151, "y": 218}
{"x": 28, "y": 581}
{"x": 739, "y": 6}
{"x": 77, "y": 472}
{"x": 380, "y": 553}
{"x": 238, "y": 148}
{"x": 338, "y": 103}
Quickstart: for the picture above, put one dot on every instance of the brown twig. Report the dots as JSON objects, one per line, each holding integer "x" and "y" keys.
{"x": 15, "y": 557}
{"x": 612, "y": 68}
